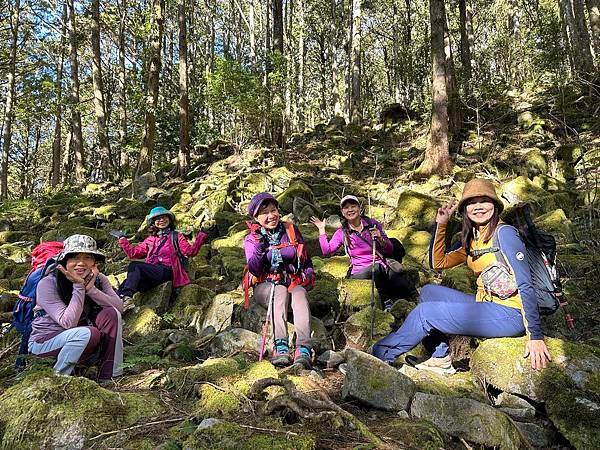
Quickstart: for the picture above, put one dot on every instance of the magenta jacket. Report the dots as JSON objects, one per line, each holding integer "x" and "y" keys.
{"x": 166, "y": 255}
{"x": 360, "y": 252}
{"x": 59, "y": 316}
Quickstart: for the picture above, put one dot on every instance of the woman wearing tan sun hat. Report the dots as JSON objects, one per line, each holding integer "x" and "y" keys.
{"x": 505, "y": 304}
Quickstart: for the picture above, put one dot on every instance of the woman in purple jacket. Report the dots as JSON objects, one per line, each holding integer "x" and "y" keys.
{"x": 283, "y": 271}
{"x": 163, "y": 251}
{"x": 78, "y": 314}
{"x": 357, "y": 235}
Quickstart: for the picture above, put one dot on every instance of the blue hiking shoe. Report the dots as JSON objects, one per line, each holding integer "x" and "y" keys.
{"x": 281, "y": 353}
{"x": 303, "y": 356}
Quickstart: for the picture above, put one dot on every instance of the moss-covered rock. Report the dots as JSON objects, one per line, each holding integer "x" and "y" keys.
{"x": 416, "y": 243}
{"x": 460, "y": 384}
{"x": 67, "y": 229}
{"x": 413, "y": 434}
{"x": 534, "y": 162}
{"x": 14, "y": 236}
{"x": 157, "y": 298}
{"x": 220, "y": 311}
{"x": 212, "y": 370}
{"x": 570, "y": 386}
{"x": 192, "y": 299}
{"x": 556, "y": 222}
{"x": 234, "y": 340}
{"x": 336, "y": 266}
{"x": 296, "y": 189}
{"x": 15, "y": 253}
{"x": 229, "y": 436}
{"x": 143, "y": 322}
{"x": 323, "y": 297}
{"x": 50, "y": 411}
{"x": 356, "y": 294}
{"x": 357, "y": 328}
{"x": 460, "y": 278}
{"x": 415, "y": 210}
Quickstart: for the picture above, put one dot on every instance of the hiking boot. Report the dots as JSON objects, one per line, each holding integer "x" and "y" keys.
{"x": 303, "y": 356}
{"x": 127, "y": 302}
{"x": 281, "y": 353}
{"x": 442, "y": 366}
{"x": 387, "y": 305}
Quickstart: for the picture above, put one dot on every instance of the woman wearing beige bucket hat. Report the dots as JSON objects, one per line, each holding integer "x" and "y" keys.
{"x": 505, "y": 303}
{"x": 77, "y": 317}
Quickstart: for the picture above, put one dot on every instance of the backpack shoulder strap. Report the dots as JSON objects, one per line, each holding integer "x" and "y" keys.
{"x": 290, "y": 230}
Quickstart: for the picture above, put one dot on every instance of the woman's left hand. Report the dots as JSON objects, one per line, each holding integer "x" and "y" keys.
{"x": 538, "y": 352}
{"x": 92, "y": 279}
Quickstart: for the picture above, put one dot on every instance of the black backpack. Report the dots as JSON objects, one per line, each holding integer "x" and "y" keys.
{"x": 184, "y": 260}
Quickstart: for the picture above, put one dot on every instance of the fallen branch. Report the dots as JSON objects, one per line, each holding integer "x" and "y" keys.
{"x": 10, "y": 348}
{"x": 308, "y": 407}
{"x": 135, "y": 427}
{"x": 267, "y": 430}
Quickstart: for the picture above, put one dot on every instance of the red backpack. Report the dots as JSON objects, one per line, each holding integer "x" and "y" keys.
{"x": 297, "y": 279}
{"x": 43, "y": 252}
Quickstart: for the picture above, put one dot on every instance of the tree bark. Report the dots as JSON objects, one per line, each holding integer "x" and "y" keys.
{"x": 437, "y": 157}
{"x": 581, "y": 55}
{"x": 183, "y": 159}
{"x": 593, "y": 7}
{"x": 122, "y": 95}
{"x": 277, "y": 53}
{"x": 301, "y": 99}
{"x": 355, "y": 65}
{"x": 57, "y": 141}
{"x": 454, "y": 104}
{"x": 466, "y": 33}
{"x": 9, "y": 111}
{"x": 149, "y": 134}
{"x": 98, "y": 86}
{"x": 77, "y": 137}
{"x": 252, "y": 34}
{"x": 587, "y": 62}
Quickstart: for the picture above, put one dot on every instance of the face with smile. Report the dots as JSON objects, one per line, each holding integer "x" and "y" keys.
{"x": 480, "y": 210}
{"x": 162, "y": 222}
{"x": 80, "y": 264}
{"x": 351, "y": 211}
{"x": 268, "y": 216}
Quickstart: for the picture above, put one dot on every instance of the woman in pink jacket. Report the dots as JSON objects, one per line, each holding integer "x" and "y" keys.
{"x": 77, "y": 317}
{"x": 164, "y": 250}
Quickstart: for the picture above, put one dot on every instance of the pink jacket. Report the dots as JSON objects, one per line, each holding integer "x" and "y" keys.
{"x": 167, "y": 255}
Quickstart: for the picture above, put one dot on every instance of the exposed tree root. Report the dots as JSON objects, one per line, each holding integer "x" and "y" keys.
{"x": 307, "y": 407}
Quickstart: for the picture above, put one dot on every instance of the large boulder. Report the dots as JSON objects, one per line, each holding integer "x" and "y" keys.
{"x": 219, "y": 312}
{"x": 357, "y": 328}
{"x": 468, "y": 419}
{"x": 50, "y": 411}
{"x": 336, "y": 266}
{"x": 142, "y": 322}
{"x": 233, "y": 340}
{"x": 356, "y": 294}
{"x": 376, "y": 383}
{"x": 157, "y": 298}
{"x": 415, "y": 210}
{"x": 570, "y": 386}
{"x": 192, "y": 301}
{"x": 412, "y": 434}
{"x": 556, "y": 222}
{"x": 460, "y": 384}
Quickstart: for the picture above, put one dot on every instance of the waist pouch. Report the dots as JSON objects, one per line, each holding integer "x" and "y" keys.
{"x": 498, "y": 280}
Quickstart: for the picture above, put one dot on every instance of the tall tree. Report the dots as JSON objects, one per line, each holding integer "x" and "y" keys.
{"x": 9, "y": 109}
{"x": 77, "y": 134}
{"x": 149, "y": 133}
{"x": 579, "y": 40}
{"x": 57, "y": 140}
{"x": 437, "y": 156}
{"x": 277, "y": 53}
{"x": 98, "y": 86}
{"x": 122, "y": 84}
{"x": 593, "y": 7}
{"x": 183, "y": 158}
{"x": 466, "y": 39}
{"x": 355, "y": 54}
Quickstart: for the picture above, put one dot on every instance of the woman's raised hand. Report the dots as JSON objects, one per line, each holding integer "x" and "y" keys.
{"x": 320, "y": 224}
{"x": 445, "y": 212}
{"x": 72, "y": 277}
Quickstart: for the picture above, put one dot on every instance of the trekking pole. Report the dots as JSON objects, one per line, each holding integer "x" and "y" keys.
{"x": 265, "y": 328}
{"x": 372, "y": 261}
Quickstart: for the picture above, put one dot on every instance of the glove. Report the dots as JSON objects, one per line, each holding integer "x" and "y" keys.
{"x": 117, "y": 234}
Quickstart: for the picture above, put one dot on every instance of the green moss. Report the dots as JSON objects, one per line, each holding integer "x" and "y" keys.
{"x": 229, "y": 436}
{"x": 415, "y": 210}
{"x": 416, "y": 243}
{"x": 336, "y": 266}
{"x": 357, "y": 327}
{"x": 461, "y": 278}
{"x": 555, "y": 222}
{"x": 460, "y": 384}
{"x": 295, "y": 189}
{"x": 535, "y": 162}
{"x": 414, "y": 434}
{"x": 324, "y": 292}
{"x": 143, "y": 323}
{"x": 256, "y": 371}
{"x": 236, "y": 239}
{"x": 191, "y": 299}
{"x": 216, "y": 402}
{"x": 356, "y": 294}
{"x": 52, "y": 408}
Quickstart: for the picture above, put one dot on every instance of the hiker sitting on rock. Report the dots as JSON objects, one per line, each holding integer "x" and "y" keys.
{"x": 77, "y": 318}
{"x": 505, "y": 304}
{"x": 164, "y": 250}
{"x": 356, "y": 235}
{"x": 281, "y": 273}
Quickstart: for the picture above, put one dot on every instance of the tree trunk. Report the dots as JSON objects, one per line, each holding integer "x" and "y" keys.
{"x": 122, "y": 76}
{"x": 252, "y": 33}
{"x": 593, "y": 7}
{"x": 77, "y": 138}
{"x": 301, "y": 100}
{"x": 98, "y": 83}
{"x": 183, "y": 159}
{"x": 277, "y": 53}
{"x": 57, "y": 142}
{"x": 355, "y": 100}
{"x": 149, "y": 134}
{"x": 437, "y": 157}
{"x": 454, "y": 105}
{"x": 465, "y": 45}
{"x": 587, "y": 61}
{"x": 9, "y": 111}
{"x": 336, "y": 95}
{"x": 572, "y": 13}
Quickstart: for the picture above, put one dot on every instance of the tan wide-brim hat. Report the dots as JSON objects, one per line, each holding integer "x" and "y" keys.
{"x": 478, "y": 187}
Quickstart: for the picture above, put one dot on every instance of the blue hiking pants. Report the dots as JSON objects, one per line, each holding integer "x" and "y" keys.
{"x": 442, "y": 310}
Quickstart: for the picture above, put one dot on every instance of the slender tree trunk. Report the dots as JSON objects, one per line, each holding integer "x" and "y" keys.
{"x": 355, "y": 65}
{"x": 564, "y": 28}
{"x": 454, "y": 104}
{"x": 252, "y": 35}
{"x": 9, "y": 109}
{"x": 183, "y": 159}
{"x": 98, "y": 83}
{"x": 572, "y": 11}
{"x": 77, "y": 138}
{"x": 149, "y": 134}
{"x": 122, "y": 76}
{"x": 410, "y": 83}
{"x": 587, "y": 63}
{"x": 277, "y": 53}
{"x": 336, "y": 95}
{"x": 57, "y": 142}
{"x": 593, "y": 7}
{"x": 465, "y": 45}
{"x": 437, "y": 157}
{"x": 301, "y": 102}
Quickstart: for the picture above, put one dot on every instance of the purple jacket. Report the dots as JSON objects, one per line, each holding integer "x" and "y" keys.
{"x": 360, "y": 252}
{"x": 59, "y": 316}
{"x": 258, "y": 256}
{"x": 166, "y": 255}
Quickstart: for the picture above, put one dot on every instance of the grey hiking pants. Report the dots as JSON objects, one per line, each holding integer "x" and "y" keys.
{"x": 300, "y": 309}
